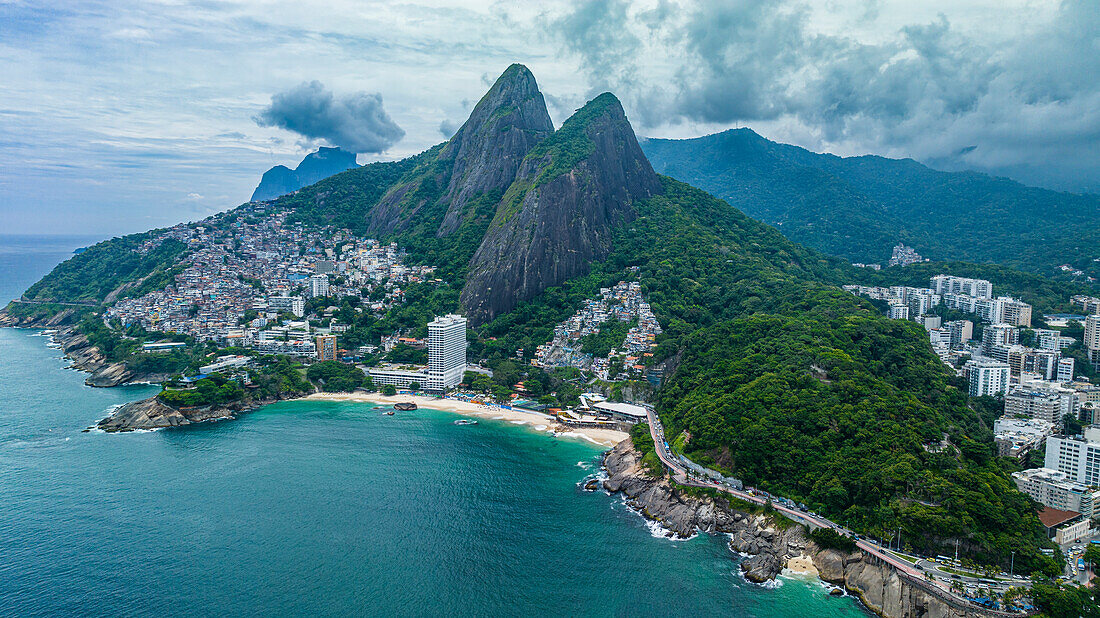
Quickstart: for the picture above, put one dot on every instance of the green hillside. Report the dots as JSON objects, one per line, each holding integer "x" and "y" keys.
{"x": 859, "y": 207}
{"x": 778, "y": 376}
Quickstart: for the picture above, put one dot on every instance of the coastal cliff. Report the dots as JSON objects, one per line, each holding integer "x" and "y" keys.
{"x": 771, "y": 545}
{"x": 104, "y": 374}
{"x": 152, "y": 413}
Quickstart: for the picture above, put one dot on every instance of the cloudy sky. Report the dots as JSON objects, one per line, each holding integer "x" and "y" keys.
{"x": 120, "y": 116}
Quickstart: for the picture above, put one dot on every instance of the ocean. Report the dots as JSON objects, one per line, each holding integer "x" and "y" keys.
{"x": 328, "y": 508}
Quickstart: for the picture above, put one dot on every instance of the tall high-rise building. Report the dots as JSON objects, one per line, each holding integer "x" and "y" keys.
{"x": 318, "y": 285}
{"x": 1087, "y": 304}
{"x": 326, "y": 347}
{"x": 446, "y": 351}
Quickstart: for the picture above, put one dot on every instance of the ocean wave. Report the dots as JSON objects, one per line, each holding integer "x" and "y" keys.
{"x": 540, "y": 427}
{"x": 771, "y": 584}
{"x": 656, "y": 529}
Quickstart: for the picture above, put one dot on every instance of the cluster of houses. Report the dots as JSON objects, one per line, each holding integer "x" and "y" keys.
{"x": 246, "y": 276}
{"x": 623, "y": 303}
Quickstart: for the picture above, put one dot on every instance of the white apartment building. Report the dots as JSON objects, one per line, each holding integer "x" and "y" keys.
{"x": 446, "y": 359}
{"x": 1065, "y": 369}
{"x": 447, "y": 350}
{"x": 986, "y": 377}
{"x": 899, "y": 312}
{"x": 999, "y": 335}
{"x": 318, "y": 285}
{"x": 291, "y": 304}
{"x": 1057, "y": 490}
{"x": 1078, "y": 457}
{"x": 946, "y": 284}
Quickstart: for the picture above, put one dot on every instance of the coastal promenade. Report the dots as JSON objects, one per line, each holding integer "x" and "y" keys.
{"x": 939, "y": 584}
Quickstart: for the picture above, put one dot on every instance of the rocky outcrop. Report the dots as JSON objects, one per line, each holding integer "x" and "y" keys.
{"x": 885, "y": 591}
{"x": 472, "y": 169}
{"x": 86, "y": 357}
{"x": 151, "y": 413}
{"x": 878, "y": 585}
{"x": 489, "y": 148}
{"x": 683, "y": 516}
{"x": 61, "y": 318}
{"x": 571, "y": 192}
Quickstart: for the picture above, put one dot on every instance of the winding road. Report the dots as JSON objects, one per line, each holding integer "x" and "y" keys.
{"x": 941, "y": 580}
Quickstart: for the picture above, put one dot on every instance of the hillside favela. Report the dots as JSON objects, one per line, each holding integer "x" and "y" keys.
{"x": 576, "y": 308}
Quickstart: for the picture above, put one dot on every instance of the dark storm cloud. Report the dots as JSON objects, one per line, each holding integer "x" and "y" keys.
{"x": 929, "y": 91}
{"x": 356, "y": 122}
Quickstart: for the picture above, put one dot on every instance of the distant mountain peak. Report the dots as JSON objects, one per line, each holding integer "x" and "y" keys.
{"x": 316, "y": 166}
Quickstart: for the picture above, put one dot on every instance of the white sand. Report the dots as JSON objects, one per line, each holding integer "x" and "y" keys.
{"x": 535, "y": 420}
{"x": 802, "y": 564}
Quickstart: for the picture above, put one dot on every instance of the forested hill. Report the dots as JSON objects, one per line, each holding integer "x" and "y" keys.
{"x": 859, "y": 207}
{"x": 772, "y": 372}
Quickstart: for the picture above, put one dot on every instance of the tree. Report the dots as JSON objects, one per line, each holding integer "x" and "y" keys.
{"x": 414, "y": 386}
{"x": 388, "y": 390}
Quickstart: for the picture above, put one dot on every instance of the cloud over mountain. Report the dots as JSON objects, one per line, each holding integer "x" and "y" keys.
{"x": 356, "y": 122}
{"x": 928, "y": 89}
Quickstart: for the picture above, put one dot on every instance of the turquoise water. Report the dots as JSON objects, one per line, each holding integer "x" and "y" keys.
{"x": 327, "y": 508}
{"x": 321, "y": 508}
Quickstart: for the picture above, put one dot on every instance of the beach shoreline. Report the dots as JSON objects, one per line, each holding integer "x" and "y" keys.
{"x": 535, "y": 420}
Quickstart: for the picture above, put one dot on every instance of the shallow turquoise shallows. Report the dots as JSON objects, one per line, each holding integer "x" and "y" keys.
{"x": 324, "y": 509}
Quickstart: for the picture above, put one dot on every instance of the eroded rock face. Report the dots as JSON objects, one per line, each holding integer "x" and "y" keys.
{"x": 883, "y": 590}
{"x": 562, "y": 223}
{"x": 489, "y": 148}
{"x": 684, "y": 515}
{"x": 480, "y": 159}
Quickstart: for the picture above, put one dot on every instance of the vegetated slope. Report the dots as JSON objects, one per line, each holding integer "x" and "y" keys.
{"x": 726, "y": 288}
{"x": 316, "y": 166}
{"x": 858, "y": 207}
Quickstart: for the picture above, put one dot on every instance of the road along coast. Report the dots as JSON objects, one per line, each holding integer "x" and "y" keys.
{"x": 773, "y": 543}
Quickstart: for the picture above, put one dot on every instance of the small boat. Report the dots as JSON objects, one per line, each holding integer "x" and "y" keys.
{"x": 465, "y": 421}
{"x": 404, "y": 406}
{"x": 388, "y": 413}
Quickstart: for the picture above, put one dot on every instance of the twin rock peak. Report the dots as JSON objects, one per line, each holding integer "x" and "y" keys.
{"x": 547, "y": 200}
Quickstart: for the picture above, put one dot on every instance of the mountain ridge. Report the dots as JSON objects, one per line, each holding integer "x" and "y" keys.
{"x": 859, "y": 207}
{"x": 316, "y": 166}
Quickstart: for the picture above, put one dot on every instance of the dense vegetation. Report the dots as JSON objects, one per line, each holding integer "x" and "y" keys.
{"x": 610, "y": 336}
{"x": 859, "y": 207}
{"x": 337, "y": 377}
{"x": 89, "y": 276}
{"x": 773, "y": 375}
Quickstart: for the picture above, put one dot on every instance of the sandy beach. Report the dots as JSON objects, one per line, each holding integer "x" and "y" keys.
{"x": 540, "y": 422}
{"x": 802, "y": 564}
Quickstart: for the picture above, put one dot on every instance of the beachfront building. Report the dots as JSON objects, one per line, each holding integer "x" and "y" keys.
{"x": 446, "y": 359}
{"x": 326, "y": 347}
{"x": 446, "y": 351}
